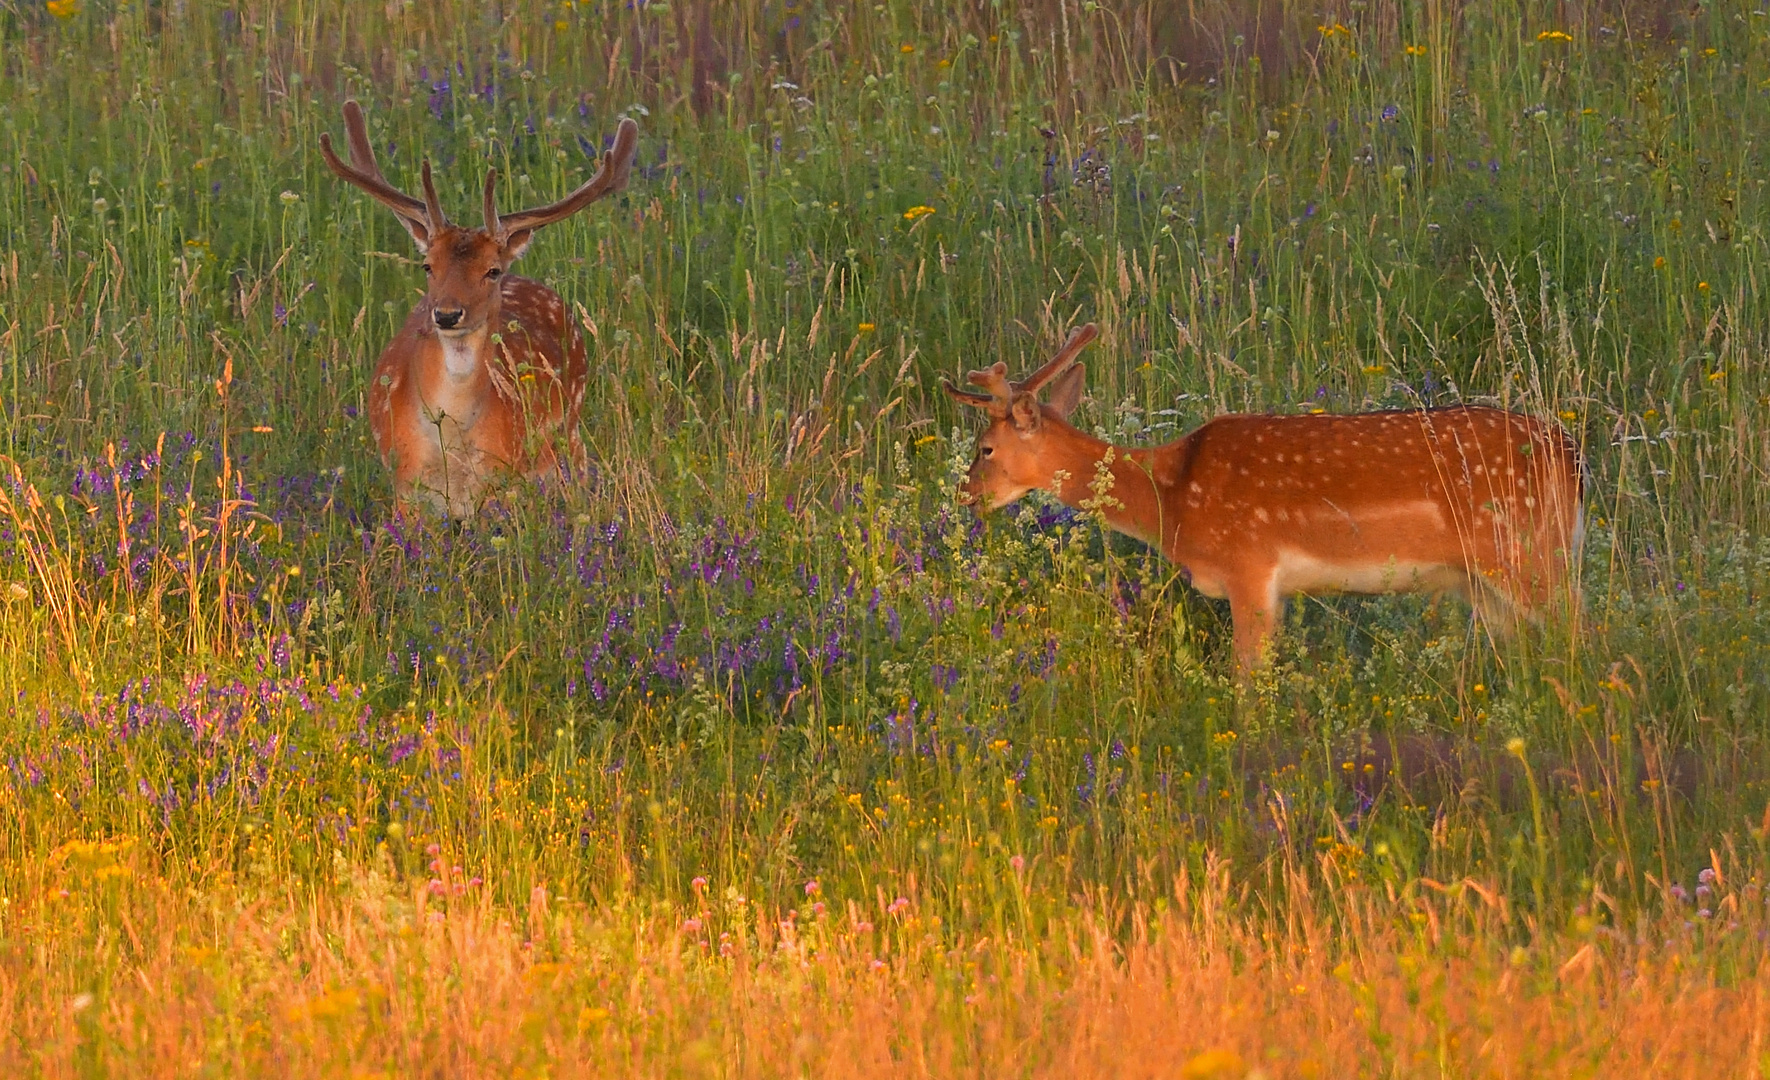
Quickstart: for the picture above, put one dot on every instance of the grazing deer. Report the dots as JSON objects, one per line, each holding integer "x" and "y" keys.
{"x": 486, "y": 376}
{"x": 1468, "y": 500}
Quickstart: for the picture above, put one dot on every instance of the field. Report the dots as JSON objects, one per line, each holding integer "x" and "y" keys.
{"x": 751, "y": 752}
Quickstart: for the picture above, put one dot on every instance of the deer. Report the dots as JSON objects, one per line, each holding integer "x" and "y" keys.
{"x": 1468, "y": 500}
{"x": 485, "y": 379}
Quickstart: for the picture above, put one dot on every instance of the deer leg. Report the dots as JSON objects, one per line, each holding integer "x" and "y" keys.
{"x": 1548, "y": 595}
{"x": 1255, "y": 608}
{"x": 580, "y": 457}
{"x": 1495, "y": 602}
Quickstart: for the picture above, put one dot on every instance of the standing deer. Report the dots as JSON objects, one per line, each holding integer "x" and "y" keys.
{"x": 485, "y": 378}
{"x": 1469, "y": 500}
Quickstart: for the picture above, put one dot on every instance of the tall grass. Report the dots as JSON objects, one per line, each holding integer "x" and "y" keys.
{"x": 761, "y": 647}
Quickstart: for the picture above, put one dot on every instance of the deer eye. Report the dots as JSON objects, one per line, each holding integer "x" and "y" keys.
{"x": 988, "y": 451}
{"x": 494, "y": 274}
{"x": 427, "y": 268}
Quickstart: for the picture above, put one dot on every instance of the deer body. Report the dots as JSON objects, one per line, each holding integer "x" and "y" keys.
{"x": 449, "y": 422}
{"x": 1254, "y": 509}
{"x": 485, "y": 379}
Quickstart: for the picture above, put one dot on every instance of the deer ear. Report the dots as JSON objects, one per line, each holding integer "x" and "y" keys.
{"x": 516, "y": 244}
{"x": 1025, "y": 413}
{"x": 1067, "y": 393}
{"x": 416, "y": 230}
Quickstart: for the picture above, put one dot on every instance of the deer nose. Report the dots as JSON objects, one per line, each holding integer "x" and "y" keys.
{"x": 448, "y": 318}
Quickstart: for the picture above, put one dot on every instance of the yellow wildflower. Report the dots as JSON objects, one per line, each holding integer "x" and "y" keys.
{"x": 1214, "y": 1064}
{"x": 915, "y": 212}
{"x": 63, "y": 9}
{"x": 1554, "y": 35}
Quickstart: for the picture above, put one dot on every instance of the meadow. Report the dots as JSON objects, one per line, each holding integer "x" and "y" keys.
{"x": 751, "y": 752}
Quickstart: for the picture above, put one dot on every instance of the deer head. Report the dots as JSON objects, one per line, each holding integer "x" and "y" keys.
{"x": 1012, "y": 454}
{"x": 463, "y": 264}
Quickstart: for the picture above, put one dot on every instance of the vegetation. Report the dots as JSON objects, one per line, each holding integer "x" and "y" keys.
{"x": 750, "y": 752}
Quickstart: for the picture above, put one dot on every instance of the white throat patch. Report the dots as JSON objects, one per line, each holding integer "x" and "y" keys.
{"x": 461, "y": 352}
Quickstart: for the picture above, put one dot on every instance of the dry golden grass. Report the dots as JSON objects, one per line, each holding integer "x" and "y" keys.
{"x": 368, "y": 978}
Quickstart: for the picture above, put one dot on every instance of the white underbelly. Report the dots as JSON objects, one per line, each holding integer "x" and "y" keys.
{"x": 1301, "y": 573}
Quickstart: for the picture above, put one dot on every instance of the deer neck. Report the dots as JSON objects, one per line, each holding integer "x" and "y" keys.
{"x": 455, "y": 380}
{"x": 1130, "y": 502}
{"x": 463, "y": 355}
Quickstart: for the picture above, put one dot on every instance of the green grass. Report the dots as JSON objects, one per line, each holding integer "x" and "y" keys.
{"x": 761, "y": 644}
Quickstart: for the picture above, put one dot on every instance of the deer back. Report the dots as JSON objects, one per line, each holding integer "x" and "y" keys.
{"x": 1467, "y": 485}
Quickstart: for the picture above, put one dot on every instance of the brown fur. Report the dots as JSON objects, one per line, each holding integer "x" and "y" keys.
{"x": 1471, "y": 500}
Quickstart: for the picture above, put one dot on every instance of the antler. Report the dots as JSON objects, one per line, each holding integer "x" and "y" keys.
{"x": 610, "y": 178}
{"x": 1001, "y": 392}
{"x": 994, "y": 379}
{"x": 1078, "y": 340}
{"x": 362, "y": 171}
